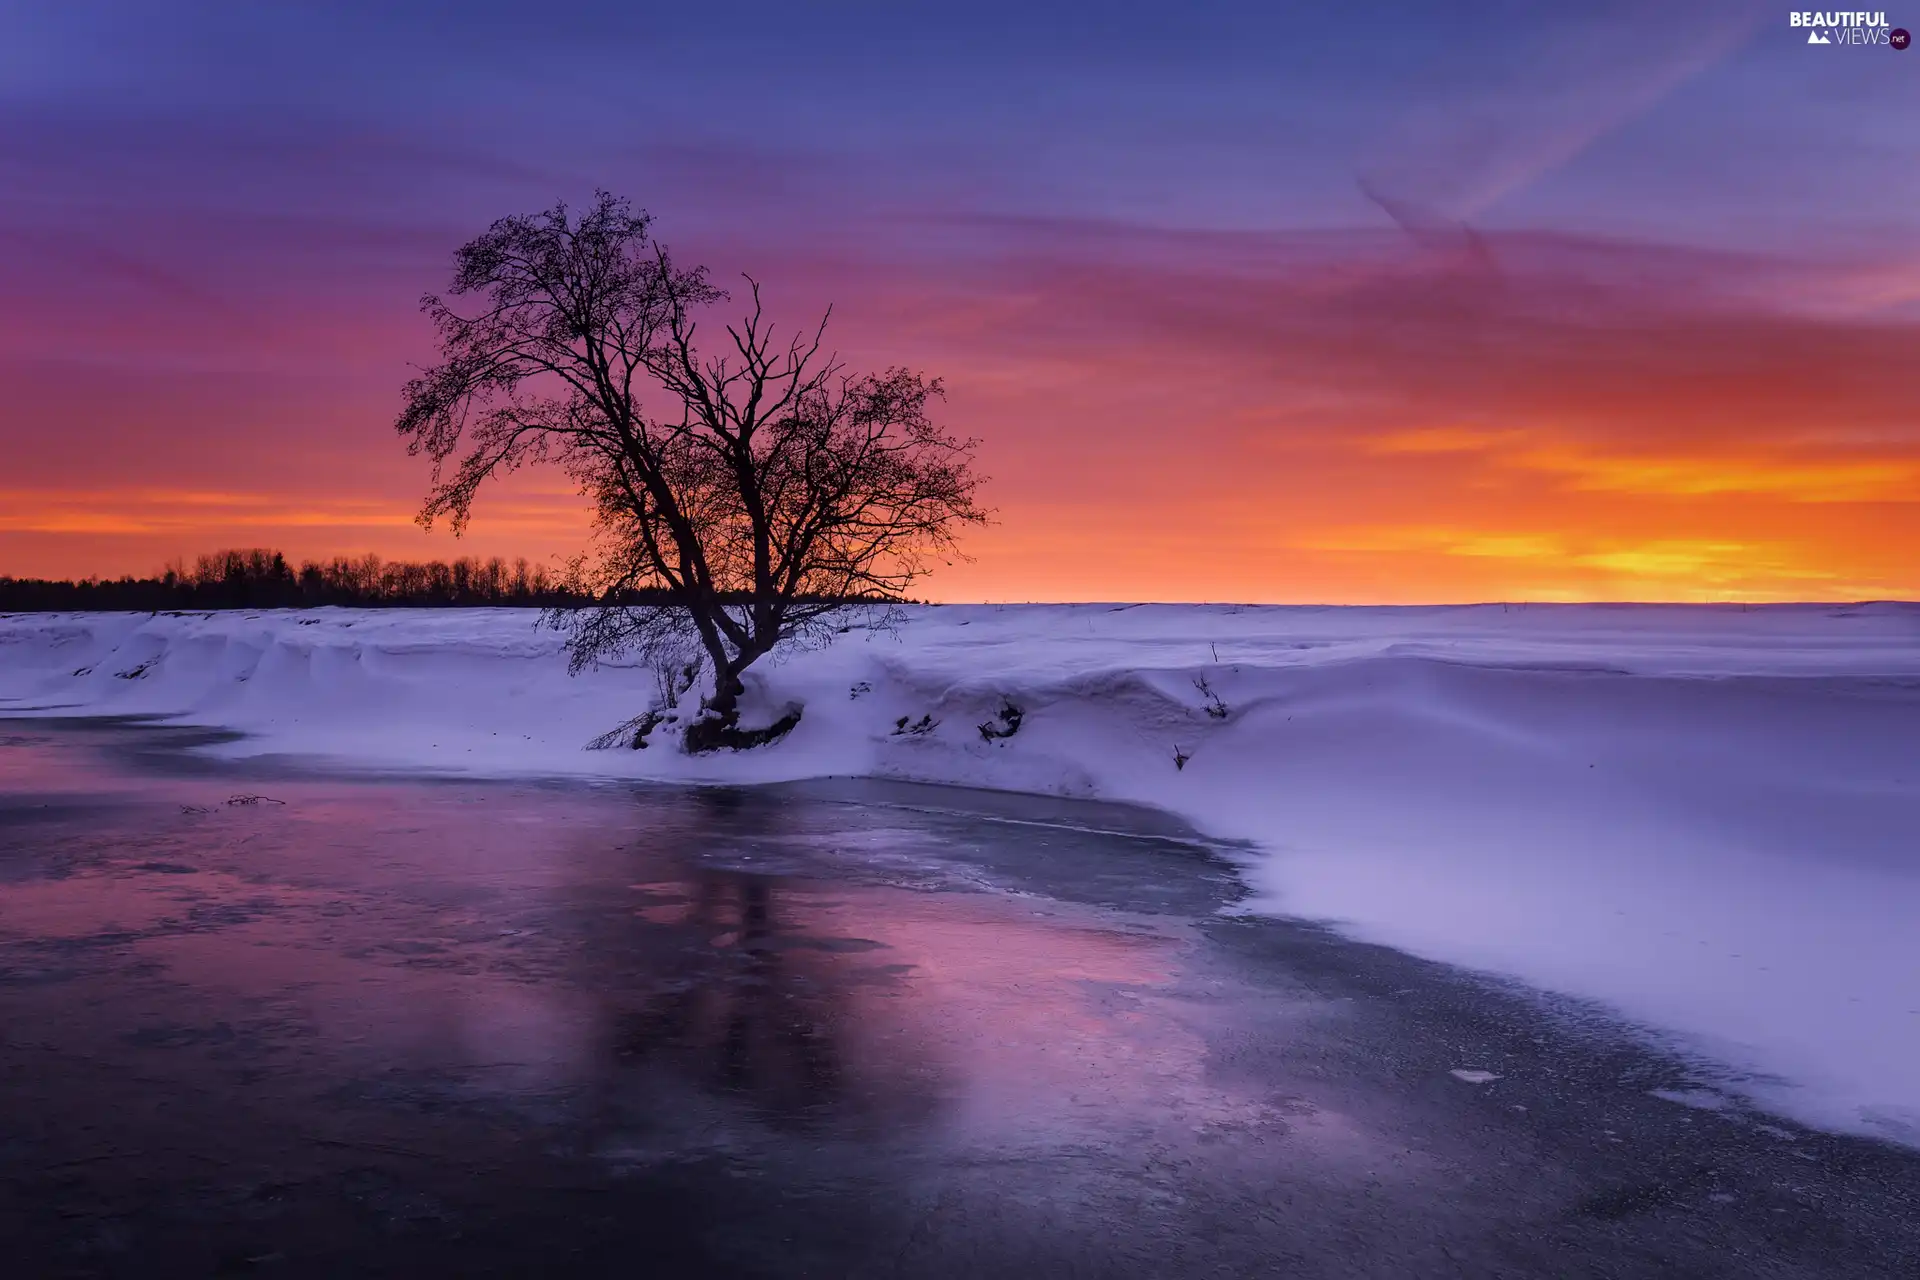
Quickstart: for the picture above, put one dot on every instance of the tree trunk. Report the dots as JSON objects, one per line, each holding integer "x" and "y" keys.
{"x": 719, "y": 723}
{"x": 727, "y": 689}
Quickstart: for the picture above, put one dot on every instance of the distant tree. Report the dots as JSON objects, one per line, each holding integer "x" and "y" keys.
{"x": 762, "y": 485}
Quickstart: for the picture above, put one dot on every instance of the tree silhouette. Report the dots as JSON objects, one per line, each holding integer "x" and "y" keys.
{"x": 762, "y": 485}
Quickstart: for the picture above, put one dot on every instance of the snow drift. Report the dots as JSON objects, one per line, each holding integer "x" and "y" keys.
{"x": 1706, "y": 818}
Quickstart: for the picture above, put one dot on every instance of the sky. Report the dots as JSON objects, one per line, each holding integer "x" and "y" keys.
{"x": 1358, "y": 303}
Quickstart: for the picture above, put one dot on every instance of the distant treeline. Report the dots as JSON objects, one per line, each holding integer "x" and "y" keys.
{"x": 258, "y": 579}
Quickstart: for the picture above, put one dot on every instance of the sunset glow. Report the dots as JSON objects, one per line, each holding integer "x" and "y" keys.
{"x": 1569, "y": 331}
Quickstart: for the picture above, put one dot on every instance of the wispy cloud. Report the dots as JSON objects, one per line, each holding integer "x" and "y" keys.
{"x": 1500, "y": 119}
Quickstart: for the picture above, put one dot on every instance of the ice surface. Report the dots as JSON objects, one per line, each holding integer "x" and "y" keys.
{"x": 1703, "y": 817}
{"x": 1473, "y": 1075}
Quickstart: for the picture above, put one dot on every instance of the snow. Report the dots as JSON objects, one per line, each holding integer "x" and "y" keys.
{"x": 1703, "y": 818}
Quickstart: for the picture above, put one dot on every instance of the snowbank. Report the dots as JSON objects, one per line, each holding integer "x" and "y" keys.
{"x": 1707, "y": 818}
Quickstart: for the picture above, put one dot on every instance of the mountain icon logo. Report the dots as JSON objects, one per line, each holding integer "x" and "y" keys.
{"x": 1814, "y": 37}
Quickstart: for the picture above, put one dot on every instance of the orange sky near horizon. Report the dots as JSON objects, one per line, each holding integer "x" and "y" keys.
{"x": 1568, "y": 544}
{"x": 1430, "y": 514}
{"x": 1277, "y": 419}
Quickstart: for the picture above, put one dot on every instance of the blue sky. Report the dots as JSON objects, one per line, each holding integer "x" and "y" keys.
{"x": 1697, "y": 122}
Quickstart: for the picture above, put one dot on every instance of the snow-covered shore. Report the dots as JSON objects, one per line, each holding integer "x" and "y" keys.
{"x": 1706, "y": 818}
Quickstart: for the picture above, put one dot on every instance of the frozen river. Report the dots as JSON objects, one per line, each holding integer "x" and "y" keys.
{"x": 259, "y": 1020}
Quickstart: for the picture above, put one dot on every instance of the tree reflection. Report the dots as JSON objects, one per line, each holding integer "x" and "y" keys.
{"x": 752, "y": 999}
{"x": 738, "y": 1012}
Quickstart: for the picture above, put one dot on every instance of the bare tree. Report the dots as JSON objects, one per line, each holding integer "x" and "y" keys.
{"x": 763, "y": 485}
